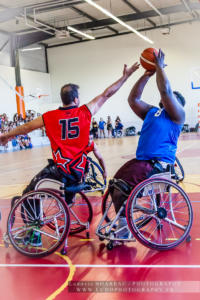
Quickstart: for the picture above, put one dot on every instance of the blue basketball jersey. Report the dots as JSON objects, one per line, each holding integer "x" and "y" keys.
{"x": 159, "y": 137}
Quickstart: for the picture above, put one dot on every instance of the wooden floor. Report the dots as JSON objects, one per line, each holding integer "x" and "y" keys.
{"x": 17, "y": 168}
{"x": 27, "y": 279}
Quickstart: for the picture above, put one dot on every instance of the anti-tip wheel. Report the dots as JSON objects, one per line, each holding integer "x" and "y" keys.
{"x": 188, "y": 239}
{"x": 63, "y": 251}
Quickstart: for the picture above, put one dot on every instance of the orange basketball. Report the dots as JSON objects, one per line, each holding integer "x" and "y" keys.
{"x": 147, "y": 59}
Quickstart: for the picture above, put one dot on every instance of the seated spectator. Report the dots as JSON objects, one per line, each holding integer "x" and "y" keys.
{"x": 118, "y": 129}
{"x": 14, "y": 143}
{"x": 28, "y": 143}
{"x": 21, "y": 142}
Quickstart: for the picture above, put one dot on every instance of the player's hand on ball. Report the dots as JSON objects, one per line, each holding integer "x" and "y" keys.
{"x": 159, "y": 59}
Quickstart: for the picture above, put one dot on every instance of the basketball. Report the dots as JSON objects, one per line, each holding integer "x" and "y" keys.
{"x": 147, "y": 59}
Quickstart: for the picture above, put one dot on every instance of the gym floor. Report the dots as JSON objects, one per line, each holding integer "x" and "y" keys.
{"x": 135, "y": 270}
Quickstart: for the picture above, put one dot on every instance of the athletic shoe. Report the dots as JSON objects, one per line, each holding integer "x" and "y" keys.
{"x": 124, "y": 232}
{"x": 35, "y": 239}
{"x": 32, "y": 238}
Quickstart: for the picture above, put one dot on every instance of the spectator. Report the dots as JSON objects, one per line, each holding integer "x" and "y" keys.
{"x": 94, "y": 128}
{"x": 101, "y": 127}
{"x": 109, "y": 126}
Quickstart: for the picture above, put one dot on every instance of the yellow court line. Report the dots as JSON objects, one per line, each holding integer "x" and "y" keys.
{"x": 72, "y": 270}
{"x": 86, "y": 240}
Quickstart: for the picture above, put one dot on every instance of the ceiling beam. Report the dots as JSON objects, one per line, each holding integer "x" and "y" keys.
{"x": 136, "y": 16}
{"x": 128, "y": 32}
{"x": 10, "y": 13}
{"x": 137, "y": 11}
{"x": 81, "y": 12}
{"x": 127, "y": 18}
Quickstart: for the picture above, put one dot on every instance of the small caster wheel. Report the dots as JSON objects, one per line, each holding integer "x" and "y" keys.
{"x": 188, "y": 239}
{"x": 101, "y": 239}
{"x": 87, "y": 235}
{"x": 63, "y": 251}
{"x": 109, "y": 246}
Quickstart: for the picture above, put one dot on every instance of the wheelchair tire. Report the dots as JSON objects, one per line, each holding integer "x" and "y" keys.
{"x": 179, "y": 171}
{"x": 105, "y": 203}
{"x": 23, "y": 224}
{"x": 166, "y": 225}
{"x": 84, "y": 213}
{"x": 95, "y": 180}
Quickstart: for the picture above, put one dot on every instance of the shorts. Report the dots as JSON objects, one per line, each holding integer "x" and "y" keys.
{"x": 134, "y": 171}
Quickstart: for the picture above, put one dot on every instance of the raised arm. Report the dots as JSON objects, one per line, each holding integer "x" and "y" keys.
{"x": 139, "y": 107}
{"x": 98, "y": 101}
{"x": 171, "y": 104}
{"x": 100, "y": 160}
{"x": 23, "y": 129}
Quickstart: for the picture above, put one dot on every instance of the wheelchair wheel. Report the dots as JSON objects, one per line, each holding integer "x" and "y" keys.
{"x": 81, "y": 213}
{"x": 107, "y": 202}
{"x": 163, "y": 224}
{"x": 179, "y": 171}
{"x": 95, "y": 177}
{"x": 28, "y": 223}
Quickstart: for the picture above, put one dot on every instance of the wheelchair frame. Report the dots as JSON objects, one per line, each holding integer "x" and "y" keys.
{"x": 108, "y": 227}
{"x": 54, "y": 190}
{"x": 92, "y": 179}
{"x": 108, "y": 230}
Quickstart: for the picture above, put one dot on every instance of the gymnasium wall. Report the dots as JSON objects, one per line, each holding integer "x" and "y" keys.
{"x": 96, "y": 64}
{"x": 33, "y": 82}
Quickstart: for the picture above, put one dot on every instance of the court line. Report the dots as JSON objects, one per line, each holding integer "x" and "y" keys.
{"x": 71, "y": 267}
{"x": 72, "y": 270}
{"x": 99, "y": 266}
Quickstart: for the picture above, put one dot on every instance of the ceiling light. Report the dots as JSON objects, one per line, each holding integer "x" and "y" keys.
{"x": 31, "y": 49}
{"x": 81, "y": 33}
{"x": 106, "y": 12}
{"x": 154, "y": 8}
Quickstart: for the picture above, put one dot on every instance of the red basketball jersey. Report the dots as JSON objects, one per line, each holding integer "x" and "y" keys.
{"x": 68, "y": 131}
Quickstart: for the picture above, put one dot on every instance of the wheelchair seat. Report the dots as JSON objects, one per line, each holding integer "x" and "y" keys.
{"x": 76, "y": 188}
{"x": 47, "y": 183}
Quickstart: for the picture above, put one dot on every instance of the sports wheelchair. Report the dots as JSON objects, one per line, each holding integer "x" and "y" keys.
{"x": 158, "y": 214}
{"x": 178, "y": 173}
{"x": 94, "y": 179}
{"x": 40, "y": 221}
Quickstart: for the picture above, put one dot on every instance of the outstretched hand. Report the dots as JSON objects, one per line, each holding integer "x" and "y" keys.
{"x": 159, "y": 59}
{"x": 129, "y": 71}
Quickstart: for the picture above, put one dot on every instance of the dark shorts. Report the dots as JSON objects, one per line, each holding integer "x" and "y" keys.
{"x": 109, "y": 127}
{"x": 134, "y": 171}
